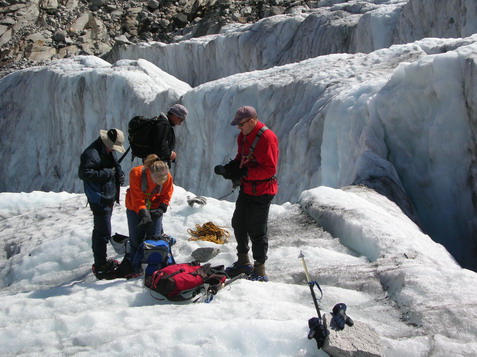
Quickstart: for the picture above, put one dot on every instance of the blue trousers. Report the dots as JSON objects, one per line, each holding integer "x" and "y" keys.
{"x": 250, "y": 220}
{"x": 138, "y": 235}
{"x": 101, "y": 231}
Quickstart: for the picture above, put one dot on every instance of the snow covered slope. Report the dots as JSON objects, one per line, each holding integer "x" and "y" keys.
{"x": 392, "y": 277}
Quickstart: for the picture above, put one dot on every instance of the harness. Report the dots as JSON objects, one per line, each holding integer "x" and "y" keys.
{"x": 248, "y": 157}
{"x": 145, "y": 187}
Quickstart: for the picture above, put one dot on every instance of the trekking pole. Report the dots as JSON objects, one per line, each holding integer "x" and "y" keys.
{"x": 317, "y": 325}
{"x": 311, "y": 284}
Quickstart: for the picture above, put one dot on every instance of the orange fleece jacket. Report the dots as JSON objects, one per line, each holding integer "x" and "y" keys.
{"x": 136, "y": 198}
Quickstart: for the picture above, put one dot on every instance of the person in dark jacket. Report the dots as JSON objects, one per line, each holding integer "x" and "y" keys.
{"x": 165, "y": 136}
{"x": 102, "y": 176}
{"x": 254, "y": 169}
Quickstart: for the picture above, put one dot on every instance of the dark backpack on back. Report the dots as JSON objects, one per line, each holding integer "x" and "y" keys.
{"x": 142, "y": 135}
{"x": 179, "y": 282}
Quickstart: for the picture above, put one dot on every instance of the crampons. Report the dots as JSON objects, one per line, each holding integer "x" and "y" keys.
{"x": 256, "y": 277}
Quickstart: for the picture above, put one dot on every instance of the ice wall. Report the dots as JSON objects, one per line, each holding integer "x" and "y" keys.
{"x": 428, "y": 110}
{"x": 271, "y": 42}
{"x": 334, "y": 27}
{"x": 49, "y": 115}
{"x": 317, "y": 108}
{"x": 438, "y": 18}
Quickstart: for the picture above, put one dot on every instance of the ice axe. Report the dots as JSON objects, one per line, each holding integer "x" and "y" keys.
{"x": 317, "y": 325}
{"x": 124, "y": 155}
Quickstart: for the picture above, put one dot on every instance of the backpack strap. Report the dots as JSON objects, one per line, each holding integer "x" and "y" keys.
{"x": 246, "y": 158}
{"x": 145, "y": 187}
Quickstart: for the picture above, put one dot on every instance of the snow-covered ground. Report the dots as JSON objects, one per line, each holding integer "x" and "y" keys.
{"x": 392, "y": 277}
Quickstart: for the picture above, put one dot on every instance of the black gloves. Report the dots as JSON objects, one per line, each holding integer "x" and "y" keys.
{"x": 158, "y": 212}
{"x": 145, "y": 219}
{"x": 163, "y": 207}
{"x": 340, "y": 318}
{"x": 239, "y": 173}
{"x": 318, "y": 331}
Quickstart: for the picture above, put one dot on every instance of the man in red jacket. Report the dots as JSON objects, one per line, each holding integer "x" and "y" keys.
{"x": 254, "y": 169}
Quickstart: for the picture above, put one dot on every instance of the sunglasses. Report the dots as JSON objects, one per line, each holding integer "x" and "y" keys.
{"x": 240, "y": 125}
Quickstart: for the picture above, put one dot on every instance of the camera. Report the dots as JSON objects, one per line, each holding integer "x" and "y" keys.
{"x": 227, "y": 172}
{"x": 220, "y": 170}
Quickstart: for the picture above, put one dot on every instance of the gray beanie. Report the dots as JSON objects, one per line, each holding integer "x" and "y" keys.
{"x": 179, "y": 111}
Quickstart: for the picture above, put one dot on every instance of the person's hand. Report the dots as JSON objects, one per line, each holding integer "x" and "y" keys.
{"x": 145, "y": 219}
{"x": 238, "y": 172}
{"x": 156, "y": 213}
{"x": 121, "y": 179}
{"x": 173, "y": 156}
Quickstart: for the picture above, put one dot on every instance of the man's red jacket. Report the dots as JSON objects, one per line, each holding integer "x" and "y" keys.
{"x": 262, "y": 165}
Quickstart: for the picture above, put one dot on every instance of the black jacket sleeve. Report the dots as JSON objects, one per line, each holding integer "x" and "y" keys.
{"x": 92, "y": 167}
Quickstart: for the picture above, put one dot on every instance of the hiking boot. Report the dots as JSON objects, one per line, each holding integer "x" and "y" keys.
{"x": 107, "y": 271}
{"x": 238, "y": 268}
{"x": 258, "y": 273}
{"x": 126, "y": 270}
{"x": 241, "y": 266}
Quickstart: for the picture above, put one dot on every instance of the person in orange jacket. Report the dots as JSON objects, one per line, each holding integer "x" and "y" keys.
{"x": 150, "y": 191}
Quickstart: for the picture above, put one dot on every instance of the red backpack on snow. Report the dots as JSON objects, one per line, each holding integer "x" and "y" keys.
{"x": 179, "y": 282}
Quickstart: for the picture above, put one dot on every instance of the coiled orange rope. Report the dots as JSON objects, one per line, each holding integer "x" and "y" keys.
{"x": 209, "y": 232}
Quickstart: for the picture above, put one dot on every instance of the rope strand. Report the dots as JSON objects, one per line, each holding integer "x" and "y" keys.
{"x": 209, "y": 232}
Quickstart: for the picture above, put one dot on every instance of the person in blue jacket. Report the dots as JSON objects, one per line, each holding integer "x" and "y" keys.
{"x": 102, "y": 176}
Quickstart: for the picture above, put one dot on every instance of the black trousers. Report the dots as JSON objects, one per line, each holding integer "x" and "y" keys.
{"x": 250, "y": 220}
{"x": 101, "y": 231}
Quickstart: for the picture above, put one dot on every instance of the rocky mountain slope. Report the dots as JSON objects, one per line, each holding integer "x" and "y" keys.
{"x": 36, "y": 31}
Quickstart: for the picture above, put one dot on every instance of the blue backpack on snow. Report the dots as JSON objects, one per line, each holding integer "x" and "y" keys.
{"x": 156, "y": 252}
